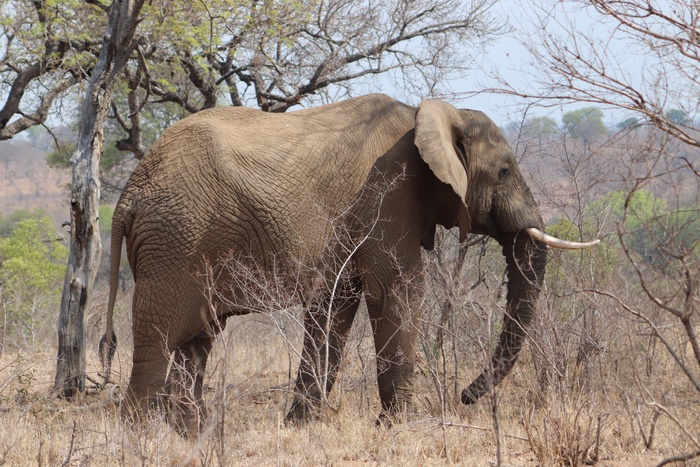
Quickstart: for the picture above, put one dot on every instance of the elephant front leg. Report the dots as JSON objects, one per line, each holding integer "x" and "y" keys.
{"x": 321, "y": 339}
{"x": 394, "y": 342}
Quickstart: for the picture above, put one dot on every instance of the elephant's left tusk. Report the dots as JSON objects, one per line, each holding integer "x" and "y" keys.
{"x": 555, "y": 242}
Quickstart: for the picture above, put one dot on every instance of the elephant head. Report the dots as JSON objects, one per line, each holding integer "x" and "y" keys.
{"x": 466, "y": 150}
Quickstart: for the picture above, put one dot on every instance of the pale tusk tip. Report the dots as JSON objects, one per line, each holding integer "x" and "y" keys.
{"x": 555, "y": 242}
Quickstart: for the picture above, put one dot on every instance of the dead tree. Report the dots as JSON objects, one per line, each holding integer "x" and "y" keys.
{"x": 85, "y": 247}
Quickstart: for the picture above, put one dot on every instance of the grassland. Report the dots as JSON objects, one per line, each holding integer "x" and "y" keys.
{"x": 615, "y": 399}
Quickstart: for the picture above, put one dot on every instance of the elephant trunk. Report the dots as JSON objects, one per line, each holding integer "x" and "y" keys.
{"x": 526, "y": 259}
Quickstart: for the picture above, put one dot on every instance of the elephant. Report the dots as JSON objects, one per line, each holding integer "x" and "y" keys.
{"x": 346, "y": 195}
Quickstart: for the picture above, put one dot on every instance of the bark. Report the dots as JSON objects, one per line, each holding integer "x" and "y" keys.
{"x": 85, "y": 248}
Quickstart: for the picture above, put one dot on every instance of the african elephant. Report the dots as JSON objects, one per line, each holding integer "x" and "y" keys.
{"x": 347, "y": 193}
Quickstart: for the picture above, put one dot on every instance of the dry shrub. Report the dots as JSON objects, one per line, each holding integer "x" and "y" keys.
{"x": 248, "y": 391}
{"x": 593, "y": 385}
{"x": 566, "y": 432}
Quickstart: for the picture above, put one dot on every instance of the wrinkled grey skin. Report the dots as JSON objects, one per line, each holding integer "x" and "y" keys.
{"x": 373, "y": 174}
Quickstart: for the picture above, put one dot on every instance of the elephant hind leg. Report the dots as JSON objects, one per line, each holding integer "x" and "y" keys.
{"x": 185, "y": 381}
{"x": 147, "y": 383}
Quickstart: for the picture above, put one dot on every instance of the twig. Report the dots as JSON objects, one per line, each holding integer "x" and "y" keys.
{"x": 681, "y": 458}
{"x": 72, "y": 443}
{"x": 652, "y": 429}
{"x": 480, "y": 428}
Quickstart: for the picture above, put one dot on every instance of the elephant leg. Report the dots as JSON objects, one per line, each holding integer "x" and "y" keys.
{"x": 395, "y": 344}
{"x": 314, "y": 368}
{"x": 186, "y": 409}
{"x": 147, "y": 381}
{"x": 150, "y": 357}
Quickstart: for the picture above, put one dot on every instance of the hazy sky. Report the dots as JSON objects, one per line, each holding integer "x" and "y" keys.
{"x": 509, "y": 57}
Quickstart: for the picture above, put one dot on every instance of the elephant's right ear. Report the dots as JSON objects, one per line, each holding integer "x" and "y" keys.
{"x": 436, "y": 137}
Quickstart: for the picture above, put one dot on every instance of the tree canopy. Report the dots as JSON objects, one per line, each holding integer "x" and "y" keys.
{"x": 32, "y": 265}
{"x": 47, "y": 48}
{"x": 193, "y": 55}
{"x": 586, "y": 123}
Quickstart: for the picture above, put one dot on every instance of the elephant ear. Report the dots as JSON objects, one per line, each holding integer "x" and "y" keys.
{"x": 437, "y": 130}
{"x": 436, "y": 137}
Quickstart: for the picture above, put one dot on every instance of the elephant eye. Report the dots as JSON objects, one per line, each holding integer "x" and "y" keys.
{"x": 504, "y": 172}
{"x": 461, "y": 148}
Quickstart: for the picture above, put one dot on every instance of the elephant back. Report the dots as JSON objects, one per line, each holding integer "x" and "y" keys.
{"x": 261, "y": 185}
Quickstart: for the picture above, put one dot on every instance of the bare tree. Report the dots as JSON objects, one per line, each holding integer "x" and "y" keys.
{"x": 276, "y": 55}
{"x": 571, "y": 62}
{"x": 577, "y": 61}
{"x": 42, "y": 59}
{"x": 85, "y": 247}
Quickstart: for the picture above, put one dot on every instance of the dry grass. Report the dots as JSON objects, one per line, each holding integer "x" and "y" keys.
{"x": 606, "y": 419}
{"x": 594, "y": 385}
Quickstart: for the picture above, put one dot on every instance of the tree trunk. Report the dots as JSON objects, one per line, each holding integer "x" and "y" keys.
{"x": 85, "y": 246}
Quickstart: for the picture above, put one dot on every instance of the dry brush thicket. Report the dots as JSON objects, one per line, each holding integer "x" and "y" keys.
{"x": 609, "y": 376}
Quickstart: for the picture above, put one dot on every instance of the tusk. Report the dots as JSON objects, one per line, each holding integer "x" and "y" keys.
{"x": 555, "y": 242}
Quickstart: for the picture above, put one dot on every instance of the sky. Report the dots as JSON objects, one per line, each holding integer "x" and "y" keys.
{"x": 509, "y": 57}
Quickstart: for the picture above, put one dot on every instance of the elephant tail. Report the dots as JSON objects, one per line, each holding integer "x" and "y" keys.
{"x": 108, "y": 343}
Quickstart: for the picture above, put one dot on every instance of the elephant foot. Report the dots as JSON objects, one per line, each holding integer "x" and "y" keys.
{"x": 187, "y": 417}
{"x": 383, "y": 421}
{"x": 301, "y": 411}
{"x": 389, "y": 419}
{"x": 395, "y": 409}
{"x": 136, "y": 408}
{"x": 183, "y": 409}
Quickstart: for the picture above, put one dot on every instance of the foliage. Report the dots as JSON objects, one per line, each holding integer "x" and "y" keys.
{"x": 105, "y": 219}
{"x": 196, "y": 55}
{"x": 47, "y": 46}
{"x": 32, "y": 267}
{"x": 59, "y": 158}
{"x": 535, "y": 129}
{"x": 669, "y": 236}
{"x": 586, "y": 123}
{"x": 8, "y": 223}
{"x": 600, "y": 260}
{"x": 33, "y": 257}
{"x": 115, "y": 164}
{"x": 653, "y": 230}
{"x": 628, "y": 123}
{"x": 678, "y": 116}
{"x": 636, "y": 208}
{"x": 539, "y": 126}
